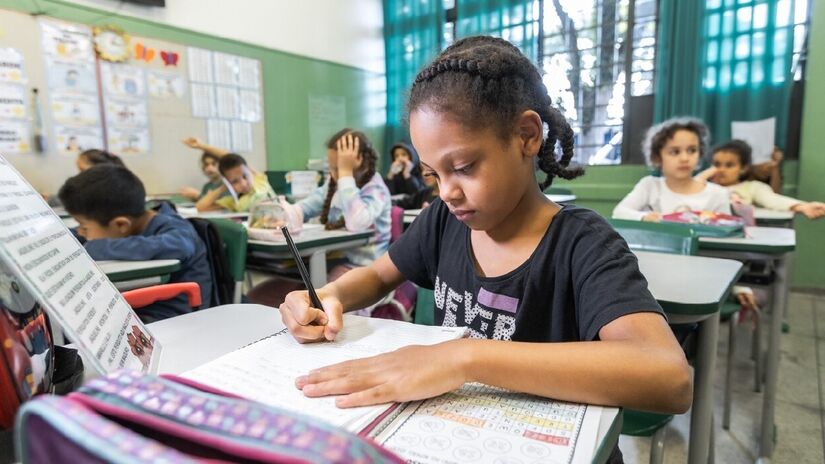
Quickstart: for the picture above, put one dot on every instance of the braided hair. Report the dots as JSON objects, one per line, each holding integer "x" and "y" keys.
{"x": 362, "y": 174}
{"x": 488, "y": 82}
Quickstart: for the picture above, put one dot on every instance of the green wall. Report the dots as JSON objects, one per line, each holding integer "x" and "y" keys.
{"x": 288, "y": 80}
{"x": 810, "y": 255}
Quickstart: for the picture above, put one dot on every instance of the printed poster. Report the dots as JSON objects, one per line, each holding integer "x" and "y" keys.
{"x": 122, "y": 80}
{"x": 128, "y": 141}
{"x": 250, "y": 106}
{"x": 219, "y": 133}
{"x": 12, "y": 101}
{"x": 241, "y": 136}
{"x": 200, "y": 65}
{"x": 72, "y": 140}
{"x": 203, "y": 100}
{"x": 126, "y": 112}
{"x": 65, "y": 41}
{"x": 227, "y": 68}
{"x": 15, "y": 137}
{"x": 228, "y": 102}
{"x": 249, "y": 73}
{"x": 71, "y": 77}
{"x": 11, "y": 66}
{"x": 75, "y": 109}
{"x": 165, "y": 84}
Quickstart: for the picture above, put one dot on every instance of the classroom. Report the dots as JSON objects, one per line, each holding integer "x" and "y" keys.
{"x": 431, "y": 231}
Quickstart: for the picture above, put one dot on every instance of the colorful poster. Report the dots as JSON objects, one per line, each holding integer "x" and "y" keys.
{"x": 65, "y": 76}
{"x": 219, "y": 133}
{"x": 250, "y": 106}
{"x": 203, "y": 100}
{"x": 126, "y": 112}
{"x": 200, "y": 65}
{"x": 71, "y": 42}
{"x": 122, "y": 80}
{"x": 15, "y": 137}
{"x": 165, "y": 84}
{"x": 13, "y": 100}
{"x": 125, "y": 142}
{"x": 11, "y": 66}
{"x": 241, "y": 136}
{"x": 228, "y": 102}
{"x": 75, "y": 110}
{"x": 227, "y": 69}
{"x": 249, "y": 73}
{"x": 72, "y": 140}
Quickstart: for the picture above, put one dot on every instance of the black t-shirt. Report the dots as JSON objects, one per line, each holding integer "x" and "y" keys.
{"x": 581, "y": 277}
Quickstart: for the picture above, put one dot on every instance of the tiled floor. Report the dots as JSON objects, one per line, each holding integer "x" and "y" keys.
{"x": 800, "y": 407}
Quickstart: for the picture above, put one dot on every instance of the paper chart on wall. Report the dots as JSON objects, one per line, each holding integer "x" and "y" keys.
{"x": 203, "y": 100}
{"x": 71, "y": 140}
{"x": 122, "y": 80}
{"x": 12, "y": 68}
{"x": 227, "y": 68}
{"x": 124, "y": 112}
{"x": 13, "y": 101}
{"x": 14, "y": 137}
{"x": 250, "y": 106}
{"x": 75, "y": 109}
{"x": 71, "y": 77}
{"x": 199, "y": 63}
{"x": 65, "y": 41}
{"x": 241, "y": 136}
{"x": 128, "y": 141}
{"x": 41, "y": 252}
{"x": 249, "y": 73}
{"x": 228, "y": 102}
{"x": 219, "y": 133}
{"x": 163, "y": 84}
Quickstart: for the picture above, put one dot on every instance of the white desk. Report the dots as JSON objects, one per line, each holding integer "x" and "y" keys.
{"x": 128, "y": 275}
{"x": 561, "y": 198}
{"x": 691, "y": 289}
{"x": 196, "y": 338}
{"x": 767, "y": 244}
{"x": 313, "y": 243}
{"x": 218, "y": 214}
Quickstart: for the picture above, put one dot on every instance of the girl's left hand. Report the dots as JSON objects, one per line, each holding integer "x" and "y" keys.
{"x": 348, "y": 158}
{"x": 408, "y": 374}
{"x": 811, "y": 210}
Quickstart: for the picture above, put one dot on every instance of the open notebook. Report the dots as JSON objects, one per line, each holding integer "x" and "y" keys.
{"x": 475, "y": 423}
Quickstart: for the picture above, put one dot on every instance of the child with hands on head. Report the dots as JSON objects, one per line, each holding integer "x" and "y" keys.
{"x": 675, "y": 146}
{"x": 209, "y": 167}
{"x": 521, "y": 272}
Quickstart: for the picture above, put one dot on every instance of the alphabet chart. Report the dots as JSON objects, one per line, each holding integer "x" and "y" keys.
{"x": 482, "y": 424}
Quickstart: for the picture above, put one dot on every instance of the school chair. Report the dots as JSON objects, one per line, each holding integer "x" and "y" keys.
{"x": 234, "y": 237}
{"x": 660, "y": 238}
{"x": 223, "y": 283}
{"x": 142, "y": 297}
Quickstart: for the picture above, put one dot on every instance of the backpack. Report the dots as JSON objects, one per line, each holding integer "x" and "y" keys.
{"x": 223, "y": 286}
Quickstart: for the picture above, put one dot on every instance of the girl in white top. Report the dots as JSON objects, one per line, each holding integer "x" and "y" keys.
{"x": 675, "y": 146}
{"x": 732, "y": 163}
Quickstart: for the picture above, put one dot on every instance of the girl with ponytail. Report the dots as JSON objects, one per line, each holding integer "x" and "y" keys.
{"x": 519, "y": 271}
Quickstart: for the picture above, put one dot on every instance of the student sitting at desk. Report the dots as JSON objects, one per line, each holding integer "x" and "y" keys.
{"x": 209, "y": 167}
{"x": 354, "y": 198}
{"x": 522, "y": 273}
{"x": 675, "y": 146}
{"x": 248, "y": 186}
{"x": 108, "y": 202}
{"x": 732, "y": 163}
{"x": 94, "y": 157}
{"x": 404, "y": 176}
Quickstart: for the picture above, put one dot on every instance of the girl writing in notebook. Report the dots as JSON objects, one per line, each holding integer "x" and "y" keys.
{"x": 519, "y": 271}
{"x": 675, "y": 146}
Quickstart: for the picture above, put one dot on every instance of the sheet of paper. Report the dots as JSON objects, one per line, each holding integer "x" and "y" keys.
{"x": 15, "y": 137}
{"x": 40, "y": 250}
{"x": 75, "y": 109}
{"x": 219, "y": 133}
{"x": 122, "y": 80}
{"x": 71, "y": 77}
{"x": 164, "y": 84}
{"x": 203, "y": 100}
{"x": 68, "y": 41}
{"x": 483, "y": 424}
{"x": 265, "y": 371}
{"x": 12, "y": 69}
{"x": 129, "y": 141}
{"x": 227, "y": 68}
{"x": 302, "y": 183}
{"x": 228, "y": 102}
{"x": 13, "y": 101}
{"x": 249, "y": 73}
{"x": 72, "y": 140}
{"x": 241, "y": 136}
{"x": 759, "y": 135}
{"x": 124, "y": 112}
{"x": 199, "y": 62}
{"x": 250, "y": 106}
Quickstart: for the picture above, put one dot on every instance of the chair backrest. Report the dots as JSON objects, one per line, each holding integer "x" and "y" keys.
{"x": 397, "y": 223}
{"x": 223, "y": 285}
{"x": 235, "y": 238}
{"x": 660, "y": 237}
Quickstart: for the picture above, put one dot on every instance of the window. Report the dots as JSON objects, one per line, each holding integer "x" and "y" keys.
{"x": 584, "y": 57}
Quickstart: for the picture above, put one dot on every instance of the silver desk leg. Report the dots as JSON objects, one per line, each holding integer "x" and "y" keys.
{"x": 701, "y": 417}
{"x": 780, "y": 298}
{"x": 318, "y": 268}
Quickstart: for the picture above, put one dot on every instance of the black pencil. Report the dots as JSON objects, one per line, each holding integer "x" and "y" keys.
{"x": 313, "y": 297}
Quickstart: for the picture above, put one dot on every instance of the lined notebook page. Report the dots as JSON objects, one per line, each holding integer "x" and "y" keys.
{"x": 265, "y": 371}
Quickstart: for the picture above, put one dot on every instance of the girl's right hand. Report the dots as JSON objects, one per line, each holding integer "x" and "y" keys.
{"x": 308, "y": 324}
{"x": 652, "y": 216}
{"x": 192, "y": 142}
{"x": 190, "y": 193}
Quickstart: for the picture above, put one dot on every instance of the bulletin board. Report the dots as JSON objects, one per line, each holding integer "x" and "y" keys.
{"x": 140, "y": 109}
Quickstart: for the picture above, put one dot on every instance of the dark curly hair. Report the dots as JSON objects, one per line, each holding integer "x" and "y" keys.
{"x": 96, "y": 157}
{"x": 488, "y": 82}
{"x": 741, "y": 149}
{"x": 657, "y": 136}
{"x": 362, "y": 175}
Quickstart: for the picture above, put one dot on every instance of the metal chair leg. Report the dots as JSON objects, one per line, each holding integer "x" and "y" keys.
{"x": 757, "y": 344}
{"x": 729, "y": 373}
{"x": 657, "y": 446}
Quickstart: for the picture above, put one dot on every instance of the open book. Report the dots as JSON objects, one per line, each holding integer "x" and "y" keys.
{"x": 475, "y": 423}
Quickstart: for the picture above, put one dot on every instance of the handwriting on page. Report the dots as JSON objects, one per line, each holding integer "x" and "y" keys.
{"x": 266, "y": 370}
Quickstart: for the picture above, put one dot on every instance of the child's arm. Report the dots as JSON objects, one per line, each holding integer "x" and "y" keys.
{"x": 635, "y": 205}
{"x": 312, "y": 205}
{"x": 208, "y": 201}
{"x": 176, "y": 243}
{"x": 193, "y": 142}
{"x": 361, "y": 207}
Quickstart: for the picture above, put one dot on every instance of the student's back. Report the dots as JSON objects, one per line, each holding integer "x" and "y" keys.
{"x": 118, "y": 227}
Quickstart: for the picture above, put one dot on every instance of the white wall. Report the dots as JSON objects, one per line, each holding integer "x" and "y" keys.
{"x": 349, "y": 32}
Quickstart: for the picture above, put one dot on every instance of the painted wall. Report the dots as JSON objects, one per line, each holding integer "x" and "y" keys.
{"x": 346, "y": 32}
